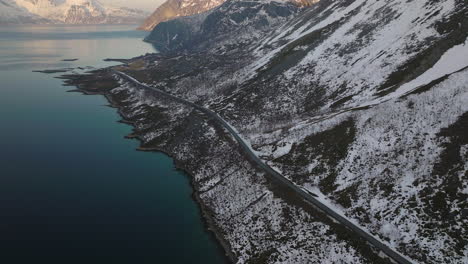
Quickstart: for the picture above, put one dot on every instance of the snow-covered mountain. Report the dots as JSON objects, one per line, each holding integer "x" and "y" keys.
{"x": 361, "y": 102}
{"x": 11, "y": 13}
{"x": 81, "y": 12}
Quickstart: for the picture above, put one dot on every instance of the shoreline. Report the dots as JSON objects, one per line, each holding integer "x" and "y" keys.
{"x": 208, "y": 222}
{"x": 102, "y": 82}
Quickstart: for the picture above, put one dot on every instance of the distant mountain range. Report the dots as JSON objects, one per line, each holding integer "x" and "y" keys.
{"x": 94, "y": 12}
{"x": 66, "y": 12}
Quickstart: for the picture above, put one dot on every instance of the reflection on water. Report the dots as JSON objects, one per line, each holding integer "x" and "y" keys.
{"x": 36, "y": 46}
{"x": 72, "y": 189}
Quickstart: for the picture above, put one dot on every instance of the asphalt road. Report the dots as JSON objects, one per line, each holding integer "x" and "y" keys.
{"x": 309, "y": 197}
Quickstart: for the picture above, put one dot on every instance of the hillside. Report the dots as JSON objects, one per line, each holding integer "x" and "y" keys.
{"x": 248, "y": 21}
{"x": 172, "y": 9}
{"x": 178, "y": 8}
{"x": 360, "y": 102}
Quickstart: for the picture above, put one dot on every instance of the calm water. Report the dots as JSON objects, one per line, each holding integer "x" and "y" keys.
{"x": 72, "y": 190}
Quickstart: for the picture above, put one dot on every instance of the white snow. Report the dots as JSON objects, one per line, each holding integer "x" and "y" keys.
{"x": 346, "y": 58}
{"x": 452, "y": 61}
{"x": 11, "y": 13}
{"x": 399, "y": 145}
{"x": 78, "y": 11}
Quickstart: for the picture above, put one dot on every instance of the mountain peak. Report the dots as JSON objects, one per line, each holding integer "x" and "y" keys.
{"x": 178, "y": 8}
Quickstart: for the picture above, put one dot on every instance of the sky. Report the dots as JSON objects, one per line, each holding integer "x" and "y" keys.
{"x": 148, "y": 5}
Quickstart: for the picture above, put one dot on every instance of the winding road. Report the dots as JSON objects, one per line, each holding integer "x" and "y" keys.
{"x": 307, "y": 196}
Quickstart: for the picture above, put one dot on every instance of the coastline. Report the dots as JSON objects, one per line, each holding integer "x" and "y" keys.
{"x": 262, "y": 194}
{"x": 205, "y": 212}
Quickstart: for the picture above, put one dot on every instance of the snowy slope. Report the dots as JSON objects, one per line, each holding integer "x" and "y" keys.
{"x": 399, "y": 167}
{"x": 364, "y": 101}
{"x": 365, "y": 44}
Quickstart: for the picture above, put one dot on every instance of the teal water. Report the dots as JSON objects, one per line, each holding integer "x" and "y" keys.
{"x": 72, "y": 189}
